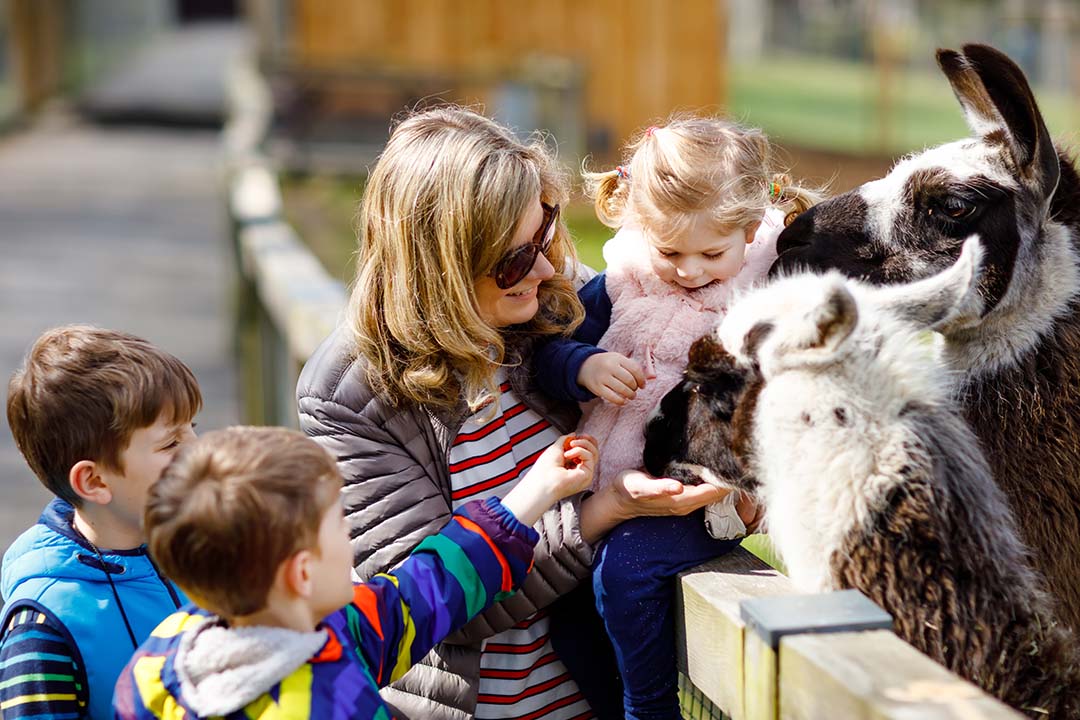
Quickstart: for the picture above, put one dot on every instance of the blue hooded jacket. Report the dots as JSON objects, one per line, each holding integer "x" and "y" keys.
{"x": 107, "y": 600}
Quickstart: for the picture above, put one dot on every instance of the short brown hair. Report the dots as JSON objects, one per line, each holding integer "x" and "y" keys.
{"x": 81, "y": 393}
{"x": 232, "y": 506}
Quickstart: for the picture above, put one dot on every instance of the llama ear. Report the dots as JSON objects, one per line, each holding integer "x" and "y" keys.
{"x": 999, "y": 106}
{"x": 829, "y": 322}
{"x": 705, "y": 352}
{"x": 947, "y": 299}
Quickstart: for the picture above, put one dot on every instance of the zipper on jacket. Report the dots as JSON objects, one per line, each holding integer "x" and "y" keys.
{"x": 164, "y": 581}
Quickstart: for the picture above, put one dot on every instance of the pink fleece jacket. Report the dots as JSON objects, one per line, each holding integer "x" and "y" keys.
{"x": 655, "y": 323}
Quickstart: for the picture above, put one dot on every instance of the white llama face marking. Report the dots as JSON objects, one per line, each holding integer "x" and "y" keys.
{"x": 997, "y": 185}
{"x": 921, "y": 185}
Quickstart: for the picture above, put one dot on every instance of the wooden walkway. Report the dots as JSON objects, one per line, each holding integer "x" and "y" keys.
{"x": 121, "y": 228}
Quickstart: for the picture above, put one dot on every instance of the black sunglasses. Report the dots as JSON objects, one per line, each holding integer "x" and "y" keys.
{"x": 516, "y": 264}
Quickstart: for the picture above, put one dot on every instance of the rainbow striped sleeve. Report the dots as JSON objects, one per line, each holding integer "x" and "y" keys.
{"x": 481, "y": 556}
{"x": 39, "y": 676}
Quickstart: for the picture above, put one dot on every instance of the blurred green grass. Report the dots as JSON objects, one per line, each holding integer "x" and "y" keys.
{"x": 829, "y": 104}
{"x": 761, "y": 546}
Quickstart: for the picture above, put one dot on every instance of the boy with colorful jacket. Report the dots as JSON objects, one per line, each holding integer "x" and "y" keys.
{"x": 249, "y": 522}
{"x": 97, "y": 414}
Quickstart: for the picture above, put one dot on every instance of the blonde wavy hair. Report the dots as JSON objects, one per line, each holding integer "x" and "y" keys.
{"x": 440, "y": 210}
{"x": 693, "y": 164}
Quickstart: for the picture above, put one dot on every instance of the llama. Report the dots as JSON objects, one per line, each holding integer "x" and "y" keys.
{"x": 836, "y": 402}
{"x": 1018, "y": 365}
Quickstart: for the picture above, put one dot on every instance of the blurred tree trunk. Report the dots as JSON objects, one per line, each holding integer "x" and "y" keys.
{"x": 37, "y": 42}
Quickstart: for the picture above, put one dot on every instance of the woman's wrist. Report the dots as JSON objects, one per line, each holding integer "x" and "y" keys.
{"x": 600, "y": 512}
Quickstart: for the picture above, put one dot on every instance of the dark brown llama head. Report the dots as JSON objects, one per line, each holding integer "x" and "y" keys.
{"x": 999, "y": 185}
{"x": 693, "y": 431}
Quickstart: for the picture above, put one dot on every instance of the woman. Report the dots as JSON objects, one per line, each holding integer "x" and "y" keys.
{"x": 425, "y": 398}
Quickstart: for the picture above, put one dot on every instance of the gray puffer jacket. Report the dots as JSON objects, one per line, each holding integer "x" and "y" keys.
{"x": 395, "y": 462}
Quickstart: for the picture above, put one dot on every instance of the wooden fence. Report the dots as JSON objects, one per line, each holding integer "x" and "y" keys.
{"x": 808, "y": 659}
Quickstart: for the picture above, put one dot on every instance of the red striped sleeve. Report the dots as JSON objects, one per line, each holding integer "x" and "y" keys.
{"x": 487, "y": 457}
{"x": 491, "y": 699}
{"x": 552, "y": 707}
{"x": 491, "y": 426}
{"x": 528, "y": 432}
{"x": 470, "y": 490}
{"x": 518, "y": 674}
{"x": 516, "y": 649}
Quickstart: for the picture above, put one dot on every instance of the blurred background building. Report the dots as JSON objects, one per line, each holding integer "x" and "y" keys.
{"x": 848, "y": 75}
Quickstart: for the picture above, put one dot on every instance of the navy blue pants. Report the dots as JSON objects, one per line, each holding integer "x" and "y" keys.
{"x": 634, "y": 582}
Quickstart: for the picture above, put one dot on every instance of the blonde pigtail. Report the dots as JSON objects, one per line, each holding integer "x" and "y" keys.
{"x": 609, "y": 191}
{"x": 792, "y": 197}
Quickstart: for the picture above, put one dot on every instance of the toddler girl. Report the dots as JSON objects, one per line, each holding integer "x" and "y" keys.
{"x": 698, "y": 207}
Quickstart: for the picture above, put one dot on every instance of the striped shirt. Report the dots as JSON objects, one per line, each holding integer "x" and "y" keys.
{"x": 39, "y": 676}
{"x": 521, "y": 677}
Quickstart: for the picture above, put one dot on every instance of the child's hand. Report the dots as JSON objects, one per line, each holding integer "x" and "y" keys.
{"x": 612, "y": 376}
{"x": 564, "y": 469}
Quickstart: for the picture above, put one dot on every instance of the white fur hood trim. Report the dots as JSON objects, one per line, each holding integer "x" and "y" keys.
{"x": 222, "y": 669}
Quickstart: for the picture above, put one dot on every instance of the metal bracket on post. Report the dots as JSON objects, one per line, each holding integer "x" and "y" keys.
{"x": 843, "y": 611}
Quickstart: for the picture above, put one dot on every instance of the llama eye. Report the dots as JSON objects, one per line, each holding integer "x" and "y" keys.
{"x": 952, "y": 208}
{"x": 958, "y": 208}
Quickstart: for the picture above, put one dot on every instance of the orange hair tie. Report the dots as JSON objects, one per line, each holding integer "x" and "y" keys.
{"x": 775, "y": 191}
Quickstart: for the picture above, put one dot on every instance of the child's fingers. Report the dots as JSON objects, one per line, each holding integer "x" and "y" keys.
{"x": 637, "y": 373}
{"x": 624, "y": 375}
{"x": 622, "y": 387}
{"x": 572, "y": 456}
{"x": 606, "y": 393}
{"x": 582, "y": 454}
{"x": 585, "y": 441}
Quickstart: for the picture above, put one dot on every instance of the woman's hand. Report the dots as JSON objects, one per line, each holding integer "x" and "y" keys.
{"x": 639, "y": 493}
{"x": 634, "y": 493}
{"x": 566, "y": 468}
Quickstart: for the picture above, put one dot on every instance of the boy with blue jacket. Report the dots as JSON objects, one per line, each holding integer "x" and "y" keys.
{"x": 97, "y": 414}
